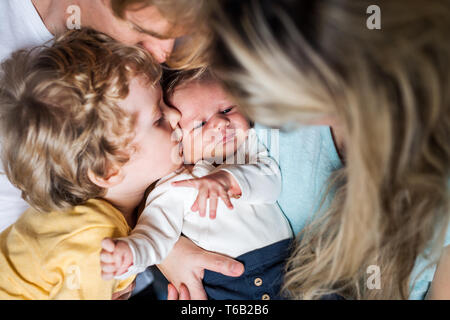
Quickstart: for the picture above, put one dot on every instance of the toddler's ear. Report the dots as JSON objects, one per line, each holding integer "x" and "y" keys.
{"x": 115, "y": 177}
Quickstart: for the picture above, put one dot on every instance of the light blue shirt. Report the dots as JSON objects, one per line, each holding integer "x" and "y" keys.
{"x": 425, "y": 272}
{"x": 307, "y": 157}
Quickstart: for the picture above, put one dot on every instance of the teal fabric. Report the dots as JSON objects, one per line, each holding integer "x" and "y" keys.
{"x": 425, "y": 273}
{"x": 307, "y": 157}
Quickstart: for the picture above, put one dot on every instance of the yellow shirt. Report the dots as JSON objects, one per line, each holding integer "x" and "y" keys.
{"x": 56, "y": 255}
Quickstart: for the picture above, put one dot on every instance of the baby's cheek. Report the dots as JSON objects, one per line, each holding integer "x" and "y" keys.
{"x": 242, "y": 123}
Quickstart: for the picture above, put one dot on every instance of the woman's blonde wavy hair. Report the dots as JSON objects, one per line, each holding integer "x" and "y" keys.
{"x": 191, "y": 51}
{"x": 298, "y": 61}
{"x": 60, "y": 118}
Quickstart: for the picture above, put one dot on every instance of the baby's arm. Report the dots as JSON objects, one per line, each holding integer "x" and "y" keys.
{"x": 115, "y": 258}
{"x": 219, "y": 184}
{"x": 260, "y": 179}
{"x": 156, "y": 232}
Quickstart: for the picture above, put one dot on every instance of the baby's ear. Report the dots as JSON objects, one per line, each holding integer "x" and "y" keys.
{"x": 115, "y": 176}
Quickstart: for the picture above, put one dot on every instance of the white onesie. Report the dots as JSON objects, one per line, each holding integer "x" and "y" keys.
{"x": 255, "y": 222}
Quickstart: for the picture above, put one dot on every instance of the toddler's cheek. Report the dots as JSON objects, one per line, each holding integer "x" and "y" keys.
{"x": 188, "y": 150}
{"x": 177, "y": 134}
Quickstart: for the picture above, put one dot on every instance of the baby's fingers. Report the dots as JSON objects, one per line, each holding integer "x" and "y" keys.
{"x": 202, "y": 199}
{"x": 106, "y": 257}
{"x": 200, "y": 202}
{"x": 195, "y": 205}
{"x": 122, "y": 269}
{"x": 109, "y": 268}
{"x": 226, "y": 199}
{"x": 212, "y": 206}
{"x": 108, "y": 244}
{"x": 107, "y": 275}
{"x": 127, "y": 261}
{"x": 190, "y": 183}
{"x": 201, "y": 194}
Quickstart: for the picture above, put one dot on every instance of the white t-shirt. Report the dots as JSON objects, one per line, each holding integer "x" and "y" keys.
{"x": 255, "y": 221}
{"x": 21, "y": 27}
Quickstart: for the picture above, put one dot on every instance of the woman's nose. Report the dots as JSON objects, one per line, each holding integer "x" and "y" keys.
{"x": 160, "y": 49}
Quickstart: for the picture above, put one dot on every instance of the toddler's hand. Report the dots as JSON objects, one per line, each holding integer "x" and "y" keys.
{"x": 219, "y": 184}
{"x": 115, "y": 258}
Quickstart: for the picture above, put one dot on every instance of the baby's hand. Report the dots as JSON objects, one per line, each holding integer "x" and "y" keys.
{"x": 219, "y": 184}
{"x": 115, "y": 259}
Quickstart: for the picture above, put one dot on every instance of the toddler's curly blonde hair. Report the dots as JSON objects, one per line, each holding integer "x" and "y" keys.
{"x": 59, "y": 116}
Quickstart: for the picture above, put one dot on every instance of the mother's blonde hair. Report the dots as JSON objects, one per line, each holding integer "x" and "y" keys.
{"x": 390, "y": 88}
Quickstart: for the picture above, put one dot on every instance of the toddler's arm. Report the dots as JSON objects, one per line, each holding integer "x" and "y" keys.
{"x": 157, "y": 230}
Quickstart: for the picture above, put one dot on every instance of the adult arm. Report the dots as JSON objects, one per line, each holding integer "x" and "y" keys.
{"x": 184, "y": 268}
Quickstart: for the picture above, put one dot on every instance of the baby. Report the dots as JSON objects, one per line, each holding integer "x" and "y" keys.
{"x": 229, "y": 163}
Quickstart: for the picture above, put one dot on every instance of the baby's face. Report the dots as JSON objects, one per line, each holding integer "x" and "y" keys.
{"x": 213, "y": 126}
